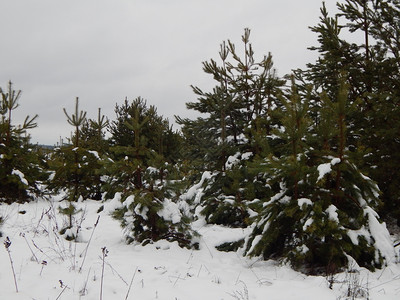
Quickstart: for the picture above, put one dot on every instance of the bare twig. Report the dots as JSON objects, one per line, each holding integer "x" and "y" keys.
{"x": 64, "y": 288}
{"x": 130, "y": 285}
{"x": 40, "y": 220}
{"x": 83, "y": 291}
{"x": 33, "y": 253}
{"x": 41, "y": 251}
{"x": 116, "y": 272}
{"x": 87, "y": 246}
{"x": 44, "y": 263}
{"x": 78, "y": 228}
{"x": 7, "y": 244}
{"x": 104, "y": 252}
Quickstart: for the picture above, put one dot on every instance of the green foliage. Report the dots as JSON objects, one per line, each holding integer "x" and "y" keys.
{"x": 223, "y": 201}
{"x": 140, "y": 138}
{"x": 140, "y": 127}
{"x": 323, "y": 205}
{"x": 77, "y": 119}
{"x": 148, "y": 215}
{"x": 239, "y": 108}
{"x": 290, "y": 161}
{"x": 230, "y": 246}
{"x": 76, "y": 170}
{"x": 93, "y": 135}
{"x": 67, "y": 161}
{"x": 144, "y": 154}
{"x": 372, "y": 66}
{"x": 68, "y": 229}
{"x": 240, "y": 118}
{"x": 19, "y": 162}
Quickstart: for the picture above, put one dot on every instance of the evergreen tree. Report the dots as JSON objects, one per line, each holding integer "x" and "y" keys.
{"x": 67, "y": 160}
{"x": 152, "y": 213}
{"x": 239, "y": 119}
{"x": 145, "y": 151}
{"x": 238, "y": 108}
{"x": 96, "y": 150}
{"x": 93, "y": 134}
{"x": 19, "y": 163}
{"x": 76, "y": 169}
{"x": 378, "y": 21}
{"x": 372, "y": 66}
{"x": 322, "y": 210}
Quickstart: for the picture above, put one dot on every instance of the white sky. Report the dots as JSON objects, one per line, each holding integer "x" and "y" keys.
{"x": 105, "y": 50}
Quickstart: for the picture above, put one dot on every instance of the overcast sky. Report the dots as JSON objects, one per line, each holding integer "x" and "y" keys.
{"x": 105, "y": 50}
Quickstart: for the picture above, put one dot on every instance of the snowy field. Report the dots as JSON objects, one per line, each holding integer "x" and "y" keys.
{"x": 102, "y": 266}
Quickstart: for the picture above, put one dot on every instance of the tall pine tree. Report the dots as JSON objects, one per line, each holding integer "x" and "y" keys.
{"x": 372, "y": 65}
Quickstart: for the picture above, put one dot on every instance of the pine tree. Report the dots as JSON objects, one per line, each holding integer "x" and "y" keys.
{"x": 93, "y": 134}
{"x": 372, "y": 65}
{"x": 322, "y": 211}
{"x": 287, "y": 176}
{"x": 239, "y": 107}
{"x": 378, "y": 21}
{"x": 145, "y": 149}
{"x": 20, "y": 172}
{"x": 150, "y": 214}
{"x": 72, "y": 167}
{"x": 239, "y": 119}
{"x": 96, "y": 151}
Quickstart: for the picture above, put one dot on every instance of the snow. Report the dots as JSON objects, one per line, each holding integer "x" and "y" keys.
{"x": 95, "y": 154}
{"x": 354, "y": 234}
{"x": 308, "y": 223}
{"x": 157, "y": 271}
{"x": 232, "y": 161}
{"x": 196, "y": 190}
{"x": 170, "y": 212}
{"x": 304, "y": 201}
{"x": 332, "y": 213}
{"x": 335, "y": 161}
{"x": 247, "y": 155}
{"x": 114, "y": 203}
{"x": 152, "y": 170}
{"x": 323, "y": 169}
{"x": 141, "y": 211}
{"x": 380, "y": 234}
{"x": 326, "y": 168}
{"x": 128, "y": 201}
{"x": 20, "y": 175}
{"x": 256, "y": 240}
{"x": 236, "y": 159}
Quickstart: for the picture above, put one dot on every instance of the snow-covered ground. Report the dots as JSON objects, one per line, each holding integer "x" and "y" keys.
{"x": 49, "y": 267}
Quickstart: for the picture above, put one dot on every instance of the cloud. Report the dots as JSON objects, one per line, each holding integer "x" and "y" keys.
{"x": 103, "y": 51}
